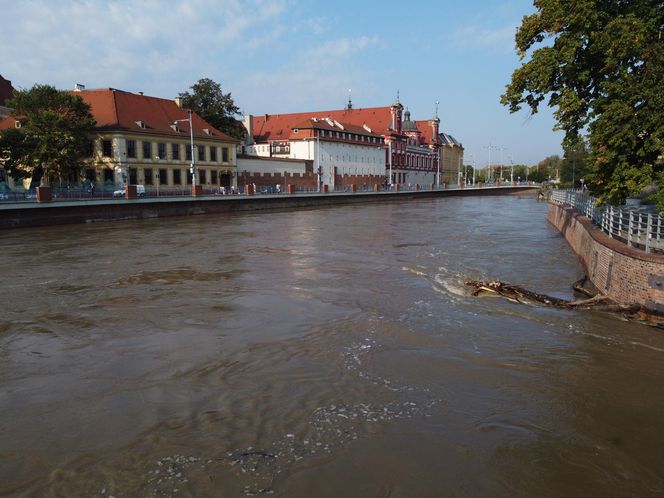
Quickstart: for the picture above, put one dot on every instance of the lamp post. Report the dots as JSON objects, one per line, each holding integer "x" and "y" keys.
{"x": 192, "y": 169}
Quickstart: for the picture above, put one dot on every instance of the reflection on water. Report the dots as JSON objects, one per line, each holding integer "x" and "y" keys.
{"x": 332, "y": 352}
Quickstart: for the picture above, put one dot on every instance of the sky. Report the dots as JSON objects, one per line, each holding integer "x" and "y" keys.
{"x": 282, "y": 56}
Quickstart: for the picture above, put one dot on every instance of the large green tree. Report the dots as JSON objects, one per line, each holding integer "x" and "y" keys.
{"x": 53, "y": 137}
{"x": 601, "y": 65}
{"x": 216, "y": 107}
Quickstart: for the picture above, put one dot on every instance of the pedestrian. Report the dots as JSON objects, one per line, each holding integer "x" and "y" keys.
{"x": 92, "y": 189}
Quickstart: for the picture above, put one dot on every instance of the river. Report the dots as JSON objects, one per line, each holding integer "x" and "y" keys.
{"x": 329, "y": 352}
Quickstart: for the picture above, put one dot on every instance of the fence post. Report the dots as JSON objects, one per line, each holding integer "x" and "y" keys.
{"x": 620, "y": 222}
{"x": 638, "y": 228}
{"x": 648, "y": 232}
{"x": 629, "y": 229}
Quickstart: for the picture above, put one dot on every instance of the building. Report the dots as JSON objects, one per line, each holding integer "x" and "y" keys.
{"x": 451, "y": 158}
{"x": 6, "y": 93}
{"x": 146, "y": 140}
{"x": 351, "y": 146}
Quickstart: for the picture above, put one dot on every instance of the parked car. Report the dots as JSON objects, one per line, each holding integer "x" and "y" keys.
{"x": 140, "y": 191}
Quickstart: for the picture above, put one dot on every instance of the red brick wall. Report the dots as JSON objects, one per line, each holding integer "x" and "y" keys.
{"x": 625, "y": 274}
{"x": 304, "y": 180}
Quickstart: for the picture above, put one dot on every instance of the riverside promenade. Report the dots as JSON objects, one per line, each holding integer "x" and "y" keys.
{"x": 32, "y": 214}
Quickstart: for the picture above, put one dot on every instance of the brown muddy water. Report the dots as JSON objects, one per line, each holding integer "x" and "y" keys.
{"x": 318, "y": 353}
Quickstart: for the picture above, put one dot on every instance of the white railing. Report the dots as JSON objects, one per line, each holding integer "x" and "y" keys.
{"x": 636, "y": 228}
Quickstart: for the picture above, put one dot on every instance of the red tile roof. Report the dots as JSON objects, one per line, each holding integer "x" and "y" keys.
{"x": 278, "y": 126}
{"x": 322, "y": 124}
{"x": 427, "y": 132}
{"x": 119, "y": 110}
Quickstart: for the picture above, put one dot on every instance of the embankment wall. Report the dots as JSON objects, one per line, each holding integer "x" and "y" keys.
{"x": 625, "y": 274}
{"x": 22, "y": 215}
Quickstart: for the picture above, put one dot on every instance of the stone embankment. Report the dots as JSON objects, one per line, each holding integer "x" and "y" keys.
{"x": 21, "y": 215}
{"x": 624, "y": 274}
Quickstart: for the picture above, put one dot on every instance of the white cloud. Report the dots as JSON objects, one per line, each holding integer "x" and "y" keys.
{"x": 341, "y": 47}
{"x": 125, "y": 43}
{"x": 494, "y": 40}
{"x": 315, "y": 76}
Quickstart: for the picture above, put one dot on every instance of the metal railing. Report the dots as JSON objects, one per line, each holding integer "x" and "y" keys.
{"x": 635, "y": 227}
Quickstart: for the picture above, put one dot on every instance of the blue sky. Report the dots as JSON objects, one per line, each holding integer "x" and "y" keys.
{"x": 292, "y": 56}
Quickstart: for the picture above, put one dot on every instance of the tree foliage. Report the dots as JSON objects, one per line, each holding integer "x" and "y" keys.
{"x": 214, "y": 106}
{"x": 575, "y": 165}
{"x": 54, "y": 135}
{"x": 601, "y": 64}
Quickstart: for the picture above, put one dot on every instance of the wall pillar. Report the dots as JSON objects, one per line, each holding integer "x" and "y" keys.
{"x": 44, "y": 194}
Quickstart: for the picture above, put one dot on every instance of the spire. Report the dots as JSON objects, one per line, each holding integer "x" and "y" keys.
{"x": 436, "y": 115}
{"x": 398, "y": 102}
{"x": 349, "y": 106}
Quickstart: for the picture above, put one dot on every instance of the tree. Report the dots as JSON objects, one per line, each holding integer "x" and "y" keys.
{"x": 214, "y": 106}
{"x": 575, "y": 165}
{"x": 53, "y": 137}
{"x": 601, "y": 64}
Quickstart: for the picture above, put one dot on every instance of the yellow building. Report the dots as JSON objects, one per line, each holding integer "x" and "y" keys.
{"x": 451, "y": 158}
{"x": 146, "y": 141}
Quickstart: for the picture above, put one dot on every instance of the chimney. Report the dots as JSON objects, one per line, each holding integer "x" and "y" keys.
{"x": 78, "y": 87}
{"x": 178, "y": 102}
{"x": 248, "y": 123}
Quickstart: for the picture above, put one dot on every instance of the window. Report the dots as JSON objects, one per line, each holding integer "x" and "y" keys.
{"x": 201, "y": 176}
{"x": 91, "y": 148}
{"x": 213, "y": 154}
{"x": 131, "y": 148}
{"x": 224, "y": 154}
{"x": 188, "y": 155}
{"x": 177, "y": 177}
{"x": 106, "y": 148}
{"x": 3, "y": 176}
{"x": 91, "y": 174}
{"x": 108, "y": 175}
{"x": 188, "y": 177}
{"x": 147, "y": 172}
{"x": 161, "y": 150}
{"x": 213, "y": 177}
{"x": 133, "y": 176}
{"x": 175, "y": 151}
{"x": 201, "y": 152}
{"x": 147, "y": 150}
{"x": 163, "y": 176}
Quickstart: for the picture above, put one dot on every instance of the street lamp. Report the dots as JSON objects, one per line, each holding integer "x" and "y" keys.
{"x": 192, "y": 169}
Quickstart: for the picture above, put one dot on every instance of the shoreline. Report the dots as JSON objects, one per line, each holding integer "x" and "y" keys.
{"x": 25, "y": 215}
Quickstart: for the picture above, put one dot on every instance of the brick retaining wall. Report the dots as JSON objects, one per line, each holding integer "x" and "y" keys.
{"x": 625, "y": 274}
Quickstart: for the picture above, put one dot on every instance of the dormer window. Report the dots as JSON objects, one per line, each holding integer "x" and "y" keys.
{"x": 207, "y": 131}
{"x": 175, "y": 128}
{"x": 296, "y": 130}
{"x": 141, "y": 124}
{"x": 17, "y": 124}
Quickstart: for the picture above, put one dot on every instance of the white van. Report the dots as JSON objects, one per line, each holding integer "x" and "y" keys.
{"x": 140, "y": 191}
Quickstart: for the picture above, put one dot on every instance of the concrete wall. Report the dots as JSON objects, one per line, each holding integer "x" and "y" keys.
{"x": 625, "y": 274}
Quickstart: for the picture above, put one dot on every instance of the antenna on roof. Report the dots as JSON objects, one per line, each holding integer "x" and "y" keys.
{"x": 398, "y": 102}
{"x": 437, "y": 102}
{"x": 349, "y": 106}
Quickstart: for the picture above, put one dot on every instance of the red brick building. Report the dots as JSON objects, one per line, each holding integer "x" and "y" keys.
{"x": 409, "y": 149}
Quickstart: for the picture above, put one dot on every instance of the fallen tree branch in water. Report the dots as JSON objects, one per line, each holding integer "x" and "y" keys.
{"x": 518, "y": 294}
